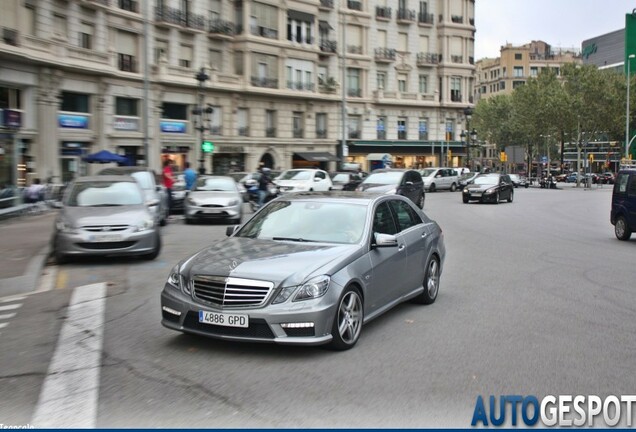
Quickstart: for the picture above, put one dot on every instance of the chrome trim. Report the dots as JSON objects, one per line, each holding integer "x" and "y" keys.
{"x": 236, "y": 292}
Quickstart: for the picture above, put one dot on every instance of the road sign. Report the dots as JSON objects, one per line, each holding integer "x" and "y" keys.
{"x": 544, "y": 159}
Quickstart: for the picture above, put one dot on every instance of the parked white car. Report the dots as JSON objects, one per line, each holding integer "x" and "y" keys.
{"x": 300, "y": 180}
{"x": 440, "y": 178}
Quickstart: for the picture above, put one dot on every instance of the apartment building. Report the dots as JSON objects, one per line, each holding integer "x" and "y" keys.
{"x": 87, "y": 75}
{"x": 518, "y": 63}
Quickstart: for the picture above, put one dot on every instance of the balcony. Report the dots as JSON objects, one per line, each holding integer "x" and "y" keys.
{"x": 126, "y": 63}
{"x": 298, "y": 133}
{"x": 471, "y": 60}
{"x": 423, "y": 136}
{"x": 354, "y": 92}
{"x": 329, "y": 47}
{"x": 326, "y": 4}
{"x": 427, "y": 59}
{"x": 457, "y": 59}
{"x": 270, "y": 132}
{"x": 354, "y": 134}
{"x": 425, "y": 18}
{"x": 354, "y": 49}
{"x": 216, "y": 130}
{"x": 457, "y": 19}
{"x": 178, "y": 17}
{"x": 299, "y": 85}
{"x": 354, "y": 5}
{"x": 381, "y": 135}
{"x": 385, "y": 54}
{"x": 321, "y": 133}
{"x": 264, "y": 32}
{"x": 264, "y": 82}
{"x": 383, "y": 12}
{"x": 456, "y": 96}
{"x": 129, "y": 5}
{"x": 405, "y": 16}
{"x": 221, "y": 27}
{"x": 244, "y": 131}
{"x": 401, "y": 135}
{"x": 100, "y": 2}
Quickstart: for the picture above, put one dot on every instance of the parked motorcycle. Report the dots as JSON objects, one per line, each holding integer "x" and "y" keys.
{"x": 272, "y": 193}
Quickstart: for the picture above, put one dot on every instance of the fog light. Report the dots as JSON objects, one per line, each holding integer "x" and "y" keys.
{"x": 297, "y": 325}
{"x": 171, "y": 311}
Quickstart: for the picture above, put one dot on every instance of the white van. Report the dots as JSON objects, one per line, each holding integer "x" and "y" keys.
{"x": 440, "y": 178}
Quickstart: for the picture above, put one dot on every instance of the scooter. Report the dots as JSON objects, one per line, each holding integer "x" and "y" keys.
{"x": 252, "y": 191}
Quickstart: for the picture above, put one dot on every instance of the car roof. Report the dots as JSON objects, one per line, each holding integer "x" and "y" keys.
{"x": 215, "y": 177}
{"x": 391, "y": 170}
{"x": 338, "y": 196}
{"x": 104, "y": 178}
{"x": 124, "y": 170}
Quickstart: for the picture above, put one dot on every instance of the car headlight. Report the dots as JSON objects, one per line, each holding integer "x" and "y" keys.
{"x": 174, "y": 279}
{"x": 191, "y": 201}
{"x": 65, "y": 227}
{"x": 465, "y": 190}
{"x": 145, "y": 225}
{"x": 232, "y": 203}
{"x": 314, "y": 288}
{"x": 391, "y": 191}
{"x": 491, "y": 190}
{"x": 284, "y": 294}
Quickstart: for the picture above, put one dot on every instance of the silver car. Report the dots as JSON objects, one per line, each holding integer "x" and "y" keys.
{"x": 308, "y": 269}
{"x": 105, "y": 215}
{"x": 214, "y": 198}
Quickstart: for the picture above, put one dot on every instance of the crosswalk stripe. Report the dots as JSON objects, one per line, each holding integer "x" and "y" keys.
{"x": 10, "y": 307}
{"x": 12, "y": 299}
{"x": 3, "y": 325}
{"x": 70, "y": 390}
{"x": 7, "y": 316}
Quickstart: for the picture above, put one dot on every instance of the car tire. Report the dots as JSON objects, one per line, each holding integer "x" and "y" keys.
{"x": 497, "y": 198}
{"x": 431, "y": 283}
{"x": 621, "y": 230}
{"x": 432, "y": 188}
{"x": 420, "y": 201}
{"x": 511, "y": 196}
{"x": 155, "y": 252}
{"x": 453, "y": 187}
{"x": 465, "y": 199}
{"x": 526, "y": 186}
{"x": 347, "y": 322}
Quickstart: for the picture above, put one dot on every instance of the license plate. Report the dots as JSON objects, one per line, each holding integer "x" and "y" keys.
{"x": 105, "y": 238}
{"x": 211, "y": 211}
{"x": 224, "y": 319}
{"x": 475, "y": 193}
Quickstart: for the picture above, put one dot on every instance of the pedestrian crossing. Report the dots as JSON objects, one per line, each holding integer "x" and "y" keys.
{"x": 8, "y": 310}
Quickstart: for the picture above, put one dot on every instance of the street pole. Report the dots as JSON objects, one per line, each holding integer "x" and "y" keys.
{"x": 201, "y": 77}
{"x": 631, "y": 56}
{"x": 343, "y": 114}
{"x": 146, "y": 104}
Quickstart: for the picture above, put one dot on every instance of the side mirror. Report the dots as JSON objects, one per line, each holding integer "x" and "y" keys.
{"x": 316, "y": 179}
{"x": 152, "y": 202}
{"x": 384, "y": 240}
{"x": 231, "y": 230}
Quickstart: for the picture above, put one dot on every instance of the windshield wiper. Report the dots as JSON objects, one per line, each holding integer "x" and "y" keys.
{"x": 295, "y": 239}
{"x": 106, "y": 205}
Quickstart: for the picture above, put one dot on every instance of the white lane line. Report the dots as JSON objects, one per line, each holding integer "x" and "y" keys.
{"x": 69, "y": 394}
{"x": 12, "y": 299}
{"x": 47, "y": 280}
{"x": 7, "y": 316}
{"x": 10, "y": 307}
{"x": 3, "y": 325}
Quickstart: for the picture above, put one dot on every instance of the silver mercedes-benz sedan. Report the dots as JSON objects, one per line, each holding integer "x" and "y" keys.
{"x": 308, "y": 268}
{"x": 214, "y": 198}
{"x": 105, "y": 215}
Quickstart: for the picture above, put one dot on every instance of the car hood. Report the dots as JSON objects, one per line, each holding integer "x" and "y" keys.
{"x": 294, "y": 183}
{"x": 374, "y": 187}
{"x": 116, "y": 215}
{"x": 476, "y": 187}
{"x": 285, "y": 263}
{"x": 213, "y": 197}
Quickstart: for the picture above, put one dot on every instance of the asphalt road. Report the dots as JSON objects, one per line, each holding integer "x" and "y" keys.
{"x": 536, "y": 298}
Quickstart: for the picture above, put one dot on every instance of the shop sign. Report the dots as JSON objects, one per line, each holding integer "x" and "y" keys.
{"x": 11, "y": 119}
{"x": 126, "y": 124}
{"x": 173, "y": 127}
{"x": 230, "y": 149}
{"x": 72, "y": 121}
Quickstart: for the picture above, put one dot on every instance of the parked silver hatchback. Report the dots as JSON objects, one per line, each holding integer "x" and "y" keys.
{"x": 105, "y": 216}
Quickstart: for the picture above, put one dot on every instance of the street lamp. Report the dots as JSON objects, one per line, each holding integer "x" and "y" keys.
{"x": 468, "y": 112}
{"x": 631, "y": 56}
{"x": 199, "y": 111}
{"x": 469, "y": 137}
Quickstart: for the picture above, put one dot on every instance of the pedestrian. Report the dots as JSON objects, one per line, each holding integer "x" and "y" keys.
{"x": 190, "y": 176}
{"x": 168, "y": 182}
{"x": 35, "y": 192}
{"x": 263, "y": 186}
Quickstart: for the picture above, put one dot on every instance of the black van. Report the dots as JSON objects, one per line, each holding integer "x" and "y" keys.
{"x": 623, "y": 214}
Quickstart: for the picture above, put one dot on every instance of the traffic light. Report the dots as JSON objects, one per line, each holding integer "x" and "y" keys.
{"x": 207, "y": 146}
{"x": 503, "y": 157}
{"x": 591, "y": 156}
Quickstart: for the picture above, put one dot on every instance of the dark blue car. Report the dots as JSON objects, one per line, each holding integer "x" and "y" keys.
{"x": 623, "y": 214}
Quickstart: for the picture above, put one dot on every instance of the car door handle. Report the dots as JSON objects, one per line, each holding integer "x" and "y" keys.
{"x": 424, "y": 234}
{"x": 401, "y": 248}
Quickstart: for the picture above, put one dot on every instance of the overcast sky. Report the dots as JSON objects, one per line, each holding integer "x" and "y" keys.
{"x": 560, "y": 23}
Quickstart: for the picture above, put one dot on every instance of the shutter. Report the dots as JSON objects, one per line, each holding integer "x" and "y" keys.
{"x": 403, "y": 42}
{"x": 127, "y": 43}
{"x": 381, "y": 38}
{"x": 456, "y": 46}
{"x": 423, "y": 44}
{"x": 86, "y": 28}
{"x": 354, "y": 35}
{"x": 186, "y": 53}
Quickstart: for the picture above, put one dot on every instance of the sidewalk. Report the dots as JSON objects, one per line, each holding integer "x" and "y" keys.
{"x": 24, "y": 250}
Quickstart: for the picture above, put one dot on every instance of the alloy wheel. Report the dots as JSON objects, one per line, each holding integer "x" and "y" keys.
{"x": 350, "y": 317}
{"x": 432, "y": 283}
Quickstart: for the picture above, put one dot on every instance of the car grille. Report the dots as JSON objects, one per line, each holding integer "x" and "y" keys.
{"x": 105, "y": 228}
{"x": 107, "y": 245}
{"x": 258, "y": 328}
{"x": 230, "y": 292}
{"x": 212, "y": 206}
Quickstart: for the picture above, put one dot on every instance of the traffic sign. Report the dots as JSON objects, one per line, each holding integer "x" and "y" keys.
{"x": 544, "y": 159}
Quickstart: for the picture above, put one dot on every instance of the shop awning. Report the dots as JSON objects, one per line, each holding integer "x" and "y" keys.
{"x": 317, "y": 156}
{"x": 405, "y": 143}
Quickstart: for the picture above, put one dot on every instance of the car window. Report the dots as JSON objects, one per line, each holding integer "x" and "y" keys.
{"x": 406, "y": 216}
{"x": 320, "y": 175}
{"x": 631, "y": 188}
{"x": 383, "y": 221}
{"x": 104, "y": 194}
{"x": 417, "y": 177}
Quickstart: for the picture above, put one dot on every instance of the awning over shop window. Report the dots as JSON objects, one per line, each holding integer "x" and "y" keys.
{"x": 317, "y": 156}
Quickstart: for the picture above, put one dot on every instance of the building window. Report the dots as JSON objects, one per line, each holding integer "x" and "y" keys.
{"x": 216, "y": 58}
{"x": 299, "y": 25}
{"x": 518, "y": 71}
{"x": 126, "y": 51}
{"x": 161, "y": 50}
{"x": 86, "y": 36}
{"x": 456, "y": 89}
{"x": 518, "y": 56}
{"x": 174, "y": 111}
{"x": 126, "y": 106}
{"x": 502, "y": 85}
{"x": 380, "y": 126}
{"x": 59, "y": 25}
{"x": 185, "y": 56}
{"x": 297, "y": 124}
{"x": 516, "y": 84}
{"x": 30, "y": 21}
{"x": 10, "y": 98}
{"x": 423, "y": 129}
{"x": 126, "y": 63}
{"x": 402, "y": 128}
{"x": 354, "y": 123}
{"x": 128, "y": 5}
{"x": 321, "y": 125}
{"x": 75, "y": 102}
{"x": 270, "y": 123}
{"x": 264, "y": 20}
{"x": 423, "y": 84}
{"x": 353, "y": 82}
{"x": 242, "y": 122}
{"x": 534, "y": 71}
{"x": 402, "y": 83}
{"x": 215, "y": 121}
{"x": 450, "y": 130}
{"x": 381, "y": 80}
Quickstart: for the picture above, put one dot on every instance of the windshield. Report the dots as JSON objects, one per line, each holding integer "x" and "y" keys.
{"x": 385, "y": 178}
{"x": 427, "y": 172}
{"x": 104, "y": 194}
{"x": 487, "y": 179}
{"x": 308, "y": 221}
{"x": 340, "y": 178}
{"x": 295, "y": 175}
{"x": 514, "y": 176}
{"x": 467, "y": 176}
{"x": 215, "y": 184}
{"x": 144, "y": 178}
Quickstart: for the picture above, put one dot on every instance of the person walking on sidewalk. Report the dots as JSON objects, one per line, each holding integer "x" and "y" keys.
{"x": 168, "y": 182}
{"x": 190, "y": 177}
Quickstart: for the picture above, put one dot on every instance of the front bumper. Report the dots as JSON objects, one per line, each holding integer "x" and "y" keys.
{"x": 212, "y": 213}
{"x": 97, "y": 244}
{"x": 482, "y": 197}
{"x": 180, "y": 312}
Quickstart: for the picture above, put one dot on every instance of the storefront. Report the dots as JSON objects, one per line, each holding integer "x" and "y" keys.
{"x": 318, "y": 160}
{"x": 71, "y": 154}
{"x": 228, "y": 158}
{"x": 407, "y": 154}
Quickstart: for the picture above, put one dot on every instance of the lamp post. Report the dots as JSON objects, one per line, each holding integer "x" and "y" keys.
{"x": 631, "y": 56}
{"x": 468, "y": 112}
{"x": 201, "y": 77}
{"x": 469, "y": 137}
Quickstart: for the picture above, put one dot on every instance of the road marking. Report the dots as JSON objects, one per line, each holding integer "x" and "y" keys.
{"x": 3, "y": 325}
{"x": 7, "y": 316}
{"x": 12, "y": 299}
{"x": 62, "y": 279}
{"x": 70, "y": 390}
{"x": 48, "y": 278}
{"x": 10, "y": 307}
